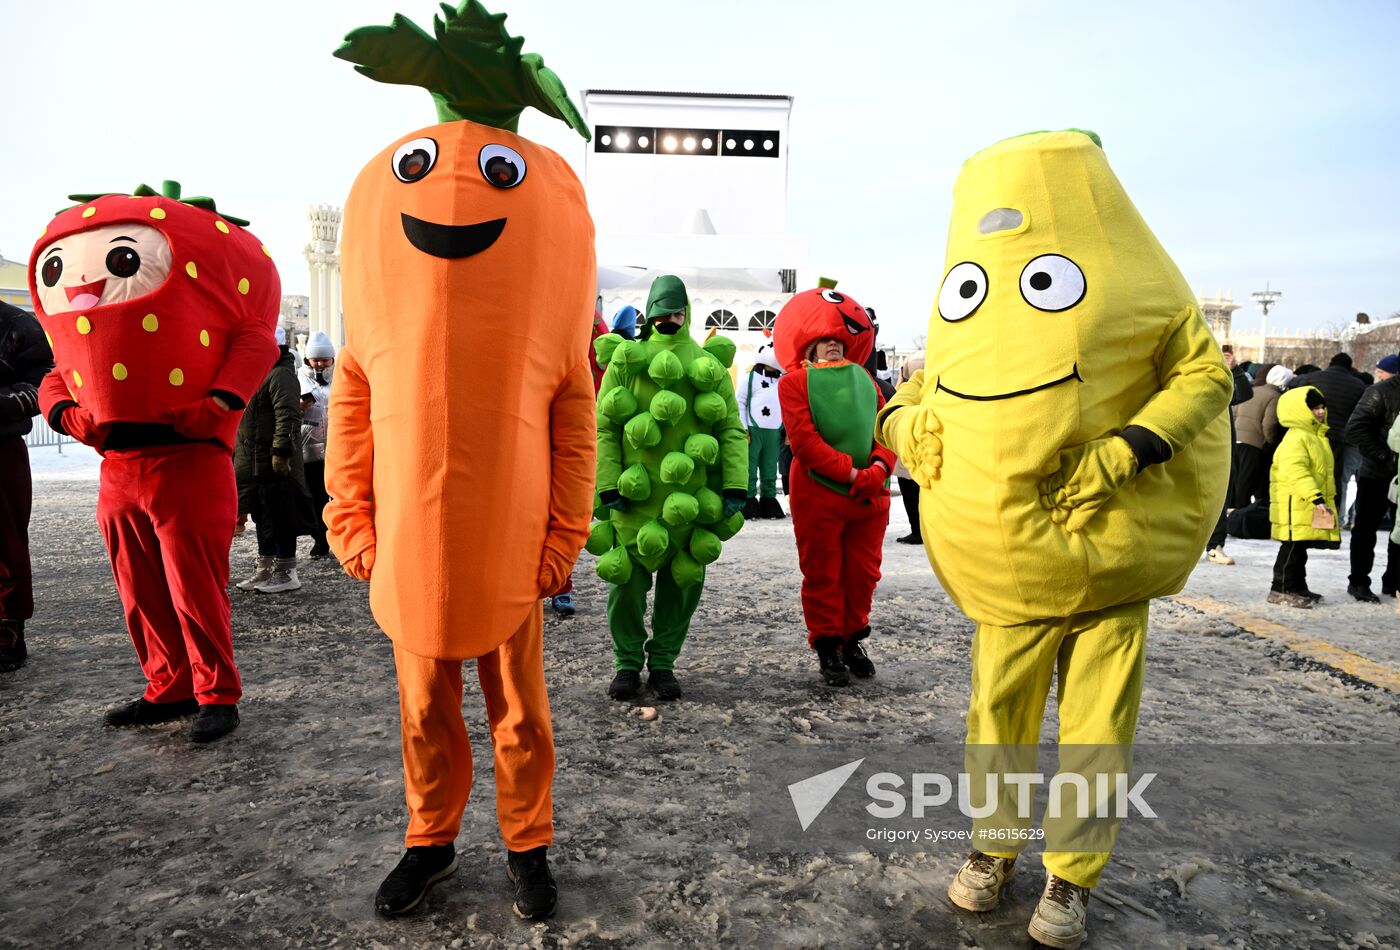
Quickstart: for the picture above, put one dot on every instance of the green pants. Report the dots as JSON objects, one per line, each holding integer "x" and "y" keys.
{"x": 764, "y": 445}
{"x": 670, "y": 620}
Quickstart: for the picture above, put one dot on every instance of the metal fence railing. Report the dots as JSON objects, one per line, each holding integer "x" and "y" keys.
{"x": 42, "y": 436}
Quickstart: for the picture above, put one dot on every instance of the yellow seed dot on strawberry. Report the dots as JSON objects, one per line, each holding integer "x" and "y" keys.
{"x": 48, "y": 338}
{"x": 119, "y": 371}
{"x": 243, "y": 286}
{"x": 221, "y": 226}
{"x": 203, "y": 337}
{"x": 266, "y": 251}
{"x": 192, "y": 270}
{"x": 177, "y": 376}
{"x": 149, "y": 323}
{"x": 158, "y": 214}
{"x": 84, "y": 325}
{"x": 77, "y": 379}
{"x": 89, "y": 212}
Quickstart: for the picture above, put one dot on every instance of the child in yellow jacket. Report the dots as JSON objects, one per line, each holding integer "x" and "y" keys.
{"x": 1302, "y": 493}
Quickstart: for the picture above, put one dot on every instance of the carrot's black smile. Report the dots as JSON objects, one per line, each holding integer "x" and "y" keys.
{"x": 451, "y": 240}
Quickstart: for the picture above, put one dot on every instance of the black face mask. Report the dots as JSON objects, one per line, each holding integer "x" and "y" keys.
{"x": 666, "y": 327}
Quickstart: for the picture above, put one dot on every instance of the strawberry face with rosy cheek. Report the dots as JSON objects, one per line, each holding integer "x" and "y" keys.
{"x": 106, "y": 265}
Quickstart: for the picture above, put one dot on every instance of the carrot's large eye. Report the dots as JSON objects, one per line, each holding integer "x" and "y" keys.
{"x": 413, "y": 160}
{"x": 502, "y": 166}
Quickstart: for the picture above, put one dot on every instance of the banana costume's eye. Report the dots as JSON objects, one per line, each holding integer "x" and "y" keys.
{"x": 962, "y": 292}
{"x": 1052, "y": 283}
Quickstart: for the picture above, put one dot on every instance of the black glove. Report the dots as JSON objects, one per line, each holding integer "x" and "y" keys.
{"x": 22, "y": 403}
{"x": 613, "y": 499}
{"x": 734, "y": 501}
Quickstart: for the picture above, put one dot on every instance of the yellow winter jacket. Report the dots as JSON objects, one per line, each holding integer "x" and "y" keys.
{"x": 1061, "y": 322}
{"x": 1302, "y": 472}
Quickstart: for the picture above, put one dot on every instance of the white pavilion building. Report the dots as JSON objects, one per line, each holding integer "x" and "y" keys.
{"x": 694, "y": 184}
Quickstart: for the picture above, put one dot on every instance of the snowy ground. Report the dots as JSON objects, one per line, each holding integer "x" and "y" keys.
{"x": 279, "y": 835}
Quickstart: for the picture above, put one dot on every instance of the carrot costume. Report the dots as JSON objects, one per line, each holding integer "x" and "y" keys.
{"x": 460, "y": 448}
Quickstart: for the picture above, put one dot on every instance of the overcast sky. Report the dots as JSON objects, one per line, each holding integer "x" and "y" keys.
{"x": 1261, "y": 140}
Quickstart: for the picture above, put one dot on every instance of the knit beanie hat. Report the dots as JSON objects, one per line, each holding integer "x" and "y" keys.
{"x": 320, "y": 347}
{"x": 1279, "y": 376}
{"x": 1314, "y": 398}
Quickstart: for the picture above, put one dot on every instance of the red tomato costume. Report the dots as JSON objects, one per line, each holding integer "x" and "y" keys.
{"x": 135, "y": 378}
{"x": 829, "y": 412}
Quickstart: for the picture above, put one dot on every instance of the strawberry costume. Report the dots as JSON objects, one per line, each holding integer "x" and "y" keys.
{"x": 829, "y": 411}
{"x": 161, "y": 314}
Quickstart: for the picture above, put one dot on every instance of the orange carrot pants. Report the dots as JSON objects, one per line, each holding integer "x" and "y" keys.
{"x": 437, "y": 756}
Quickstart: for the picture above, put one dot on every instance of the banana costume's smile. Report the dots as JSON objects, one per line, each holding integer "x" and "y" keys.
{"x": 1073, "y": 375}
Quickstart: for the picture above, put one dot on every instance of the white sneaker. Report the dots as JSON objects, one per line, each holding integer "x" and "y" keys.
{"x": 978, "y": 883}
{"x": 284, "y": 578}
{"x": 1218, "y": 556}
{"x": 261, "y": 574}
{"x": 1061, "y": 919}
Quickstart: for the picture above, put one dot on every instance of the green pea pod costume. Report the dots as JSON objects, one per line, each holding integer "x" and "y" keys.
{"x": 669, "y": 444}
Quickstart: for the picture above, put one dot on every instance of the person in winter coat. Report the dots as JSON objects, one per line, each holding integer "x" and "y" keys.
{"x": 1368, "y": 429}
{"x": 1393, "y": 440}
{"x": 1258, "y": 434}
{"x": 840, "y": 505}
{"x": 25, "y": 359}
{"x": 761, "y": 414}
{"x": 1343, "y": 390}
{"x": 315, "y": 378}
{"x": 1302, "y": 494}
{"x": 672, "y": 483}
{"x": 271, "y": 482}
{"x": 908, "y": 488}
{"x": 1215, "y": 546}
{"x": 161, "y": 313}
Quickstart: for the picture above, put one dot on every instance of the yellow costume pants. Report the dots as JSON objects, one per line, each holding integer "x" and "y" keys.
{"x": 437, "y": 757}
{"x": 1097, "y": 660}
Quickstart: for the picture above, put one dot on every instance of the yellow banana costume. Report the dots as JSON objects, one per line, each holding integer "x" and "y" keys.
{"x": 1069, "y": 432}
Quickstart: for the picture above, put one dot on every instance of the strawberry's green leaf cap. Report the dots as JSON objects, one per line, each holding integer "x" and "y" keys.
{"x": 168, "y": 189}
{"x": 470, "y": 64}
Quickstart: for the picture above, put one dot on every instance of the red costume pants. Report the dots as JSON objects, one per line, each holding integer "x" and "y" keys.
{"x": 839, "y": 547}
{"x": 437, "y": 756}
{"x": 167, "y": 514}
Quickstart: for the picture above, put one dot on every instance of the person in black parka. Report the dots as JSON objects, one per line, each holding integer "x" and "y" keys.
{"x": 271, "y": 485}
{"x": 25, "y": 359}
{"x": 1368, "y": 429}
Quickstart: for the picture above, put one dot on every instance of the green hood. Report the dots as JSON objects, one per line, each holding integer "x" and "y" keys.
{"x": 1294, "y": 413}
{"x": 668, "y": 295}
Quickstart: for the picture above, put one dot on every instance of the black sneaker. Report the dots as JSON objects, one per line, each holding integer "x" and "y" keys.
{"x": 214, "y": 721}
{"x": 856, "y": 661}
{"x": 751, "y": 510}
{"x": 910, "y": 538}
{"x": 1363, "y": 593}
{"x": 769, "y": 508}
{"x": 664, "y": 684}
{"x": 833, "y": 665}
{"x": 626, "y": 684}
{"x": 536, "y": 894}
{"x": 419, "y": 869}
{"x": 1311, "y": 595}
{"x": 139, "y": 712}
{"x": 320, "y": 552}
{"x": 13, "y": 652}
